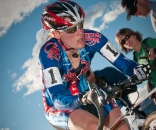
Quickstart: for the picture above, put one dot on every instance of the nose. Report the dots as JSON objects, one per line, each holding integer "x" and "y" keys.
{"x": 79, "y": 31}
{"x": 127, "y": 41}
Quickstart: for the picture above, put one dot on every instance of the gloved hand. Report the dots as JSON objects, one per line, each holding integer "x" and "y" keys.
{"x": 142, "y": 71}
{"x": 87, "y": 97}
{"x": 101, "y": 83}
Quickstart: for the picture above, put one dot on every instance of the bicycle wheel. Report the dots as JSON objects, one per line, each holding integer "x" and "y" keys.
{"x": 150, "y": 122}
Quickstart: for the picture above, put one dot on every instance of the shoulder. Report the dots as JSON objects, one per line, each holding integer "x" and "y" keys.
{"x": 94, "y": 36}
{"x": 52, "y": 43}
{"x": 50, "y": 49}
{"x": 92, "y": 33}
{"x": 150, "y": 42}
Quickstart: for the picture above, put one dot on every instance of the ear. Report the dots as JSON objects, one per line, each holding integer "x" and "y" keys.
{"x": 55, "y": 34}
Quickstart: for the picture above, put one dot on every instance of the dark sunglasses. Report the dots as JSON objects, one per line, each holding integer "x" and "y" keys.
{"x": 126, "y": 38}
{"x": 73, "y": 29}
{"x": 133, "y": 10}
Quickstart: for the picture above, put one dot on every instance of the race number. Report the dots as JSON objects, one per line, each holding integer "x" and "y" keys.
{"x": 52, "y": 76}
{"x": 53, "y": 80}
{"x": 110, "y": 52}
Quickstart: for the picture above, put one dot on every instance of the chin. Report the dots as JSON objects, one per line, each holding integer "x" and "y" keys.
{"x": 81, "y": 45}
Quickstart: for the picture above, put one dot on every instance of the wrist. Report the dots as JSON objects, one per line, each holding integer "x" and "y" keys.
{"x": 102, "y": 84}
{"x": 80, "y": 99}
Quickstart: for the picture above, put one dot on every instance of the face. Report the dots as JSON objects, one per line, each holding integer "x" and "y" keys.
{"x": 128, "y": 41}
{"x": 73, "y": 37}
{"x": 142, "y": 9}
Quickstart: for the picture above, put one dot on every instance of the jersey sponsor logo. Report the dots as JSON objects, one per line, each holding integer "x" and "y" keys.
{"x": 92, "y": 38}
{"x": 52, "y": 77}
{"x": 52, "y": 51}
{"x": 69, "y": 75}
{"x": 73, "y": 86}
{"x": 110, "y": 52}
{"x": 126, "y": 58}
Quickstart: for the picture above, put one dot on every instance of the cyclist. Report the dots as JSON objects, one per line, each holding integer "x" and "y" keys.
{"x": 64, "y": 61}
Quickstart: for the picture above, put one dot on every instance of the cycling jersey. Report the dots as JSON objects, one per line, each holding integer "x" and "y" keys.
{"x": 61, "y": 85}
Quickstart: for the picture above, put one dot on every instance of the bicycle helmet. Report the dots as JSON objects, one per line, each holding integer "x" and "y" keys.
{"x": 54, "y": 14}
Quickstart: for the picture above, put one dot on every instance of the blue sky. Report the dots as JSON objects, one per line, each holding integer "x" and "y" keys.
{"x": 21, "y": 37}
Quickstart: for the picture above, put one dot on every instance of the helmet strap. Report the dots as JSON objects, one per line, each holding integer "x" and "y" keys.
{"x": 74, "y": 54}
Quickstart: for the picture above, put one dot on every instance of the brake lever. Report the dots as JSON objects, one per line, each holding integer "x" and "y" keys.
{"x": 95, "y": 88}
{"x": 133, "y": 80}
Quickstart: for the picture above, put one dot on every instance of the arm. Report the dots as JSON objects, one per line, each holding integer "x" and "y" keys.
{"x": 98, "y": 42}
{"x": 124, "y": 64}
{"x": 121, "y": 62}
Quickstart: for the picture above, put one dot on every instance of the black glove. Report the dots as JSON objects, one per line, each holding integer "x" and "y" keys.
{"x": 87, "y": 97}
{"x": 101, "y": 83}
{"x": 142, "y": 71}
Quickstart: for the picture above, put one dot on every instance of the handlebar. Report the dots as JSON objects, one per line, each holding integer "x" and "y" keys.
{"x": 133, "y": 80}
{"x": 111, "y": 93}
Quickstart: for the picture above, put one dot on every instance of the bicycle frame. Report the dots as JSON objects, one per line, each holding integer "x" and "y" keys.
{"x": 131, "y": 118}
{"x": 143, "y": 98}
{"x": 133, "y": 121}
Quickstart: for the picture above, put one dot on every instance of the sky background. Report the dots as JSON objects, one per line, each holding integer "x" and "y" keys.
{"x": 21, "y": 37}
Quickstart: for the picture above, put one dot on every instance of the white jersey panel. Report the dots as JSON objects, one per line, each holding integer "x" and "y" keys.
{"x": 52, "y": 77}
{"x": 110, "y": 52}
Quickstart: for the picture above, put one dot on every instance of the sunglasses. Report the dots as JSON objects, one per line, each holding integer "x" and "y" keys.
{"x": 133, "y": 10}
{"x": 73, "y": 29}
{"x": 126, "y": 38}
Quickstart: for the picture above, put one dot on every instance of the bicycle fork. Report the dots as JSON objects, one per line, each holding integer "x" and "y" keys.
{"x": 134, "y": 125}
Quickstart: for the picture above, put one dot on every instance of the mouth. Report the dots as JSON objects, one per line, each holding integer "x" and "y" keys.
{"x": 130, "y": 44}
{"x": 81, "y": 43}
{"x": 141, "y": 15}
{"x": 80, "y": 40}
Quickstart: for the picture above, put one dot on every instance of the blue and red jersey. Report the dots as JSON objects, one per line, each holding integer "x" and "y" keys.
{"x": 61, "y": 85}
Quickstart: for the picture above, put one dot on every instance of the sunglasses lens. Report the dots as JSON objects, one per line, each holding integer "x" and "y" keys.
{"x": 123, "y": 41}
{"x": 71, "y": 30}
{"x": 80, "y": 25}
{"x": 126, "y": 38}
